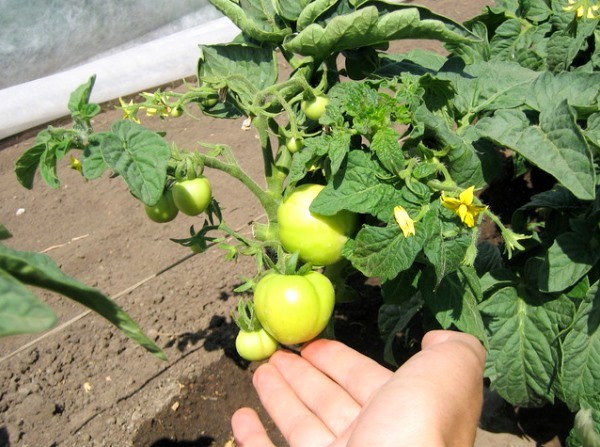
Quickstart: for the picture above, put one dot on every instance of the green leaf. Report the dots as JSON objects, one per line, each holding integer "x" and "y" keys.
{"x": 358, "y": 189}
{"x": 256, "y": 18}
{"x": 488, "y": 258}
{"x": 557, "y": 145}
{"x": 4, "y": 233}
{"x": 463, "y": 163}
{"x": 557, "y": 198}
{"x": 564, "y": 45}
{"x": 394, "y": 318}
{"x": 79, "y": 104}
{"x": 138, "y": 155}
{"x": 386, "y": 147}
{"x": 27, "y": 164}
{"x": 313, "y": 11}
{"x": 488, "y": 86}
{"x": 524, "y": 328}
{"x": 335, "y": 146}
{"x": 383, "y": 252}
{"x": 578, "y": 89}
{"x": 446, "y": 255}
{"x": 20, "y": 311}
{"x": 93, "y": 164}
{"x": 454, "y": 300}
{"x": 290, "y": 9}
{"x": 580, "y": 372}
{"x": 368, "y": 26}
{"x": 245, "y": 69}
{"x": 39, "y": 270}
{"x": 571, "y": 256}
{"x": 514, "y": 41}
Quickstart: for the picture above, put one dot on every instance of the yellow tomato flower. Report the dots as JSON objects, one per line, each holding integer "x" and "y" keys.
{"x": 583, "y": 8}
{"x": 76, "y": 164}
{"x": 406, "y": 224}
{"x": 463, "y": 206}
{"x": 129, "y": 111}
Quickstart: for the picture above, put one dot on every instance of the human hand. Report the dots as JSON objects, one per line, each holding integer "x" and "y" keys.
{"x": 331, "y": 395}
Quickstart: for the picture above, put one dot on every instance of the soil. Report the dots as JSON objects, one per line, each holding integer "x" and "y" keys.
{"x": 83, "y": 383}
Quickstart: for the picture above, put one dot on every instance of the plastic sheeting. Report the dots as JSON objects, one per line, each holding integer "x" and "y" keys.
{"x": 131, "y": 70}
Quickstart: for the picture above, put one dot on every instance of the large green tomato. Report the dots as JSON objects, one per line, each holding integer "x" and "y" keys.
{"x": 255, "y": 346}
{"x": 164, "y": 210}
{"x": 294, "y": 308}
{"x": 192, "y": 197}
{"x": 318, "y": 239}
{"x": 315, "y": 107}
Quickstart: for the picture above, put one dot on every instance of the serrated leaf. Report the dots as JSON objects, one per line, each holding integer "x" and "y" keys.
{"x": 578, "y": 89}
{"x": 491, "y": 85}
{"x": 454, "y": 300}
{"x": 580, "y": 373}
{"x": 463, "y": 162}
{"x": 514, "y": 41}
{"x": 572, "y": 255}
{"x": 557, "y": 145}
{"x": 335, "y": 146}
{"x": 39, "y": 270}
{"x": 446, "y": 255}
{"x": 384, "y": 252}
{"x": 138, "y": 155}
{"x": 245, "y": 69}
{"x": 358, "y": 189}
{"x": 395, "y": 318}
{"x": 524, "y": 349}
{"x": 564, "y": 45}
{"x": 367, "y": 27}
{"x": 387, "y": 148}
{"x": 21, "y": 312}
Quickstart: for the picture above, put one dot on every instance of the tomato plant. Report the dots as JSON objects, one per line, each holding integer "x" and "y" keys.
{"x": 255, "y": 345}
{"x": 164, "y": 210}
{"x": 294, "y": 308}
{"x": 314, "y": 108}
{"x": 318, "y": 239}
{"x": 192, "y": 197}
{"x": 413, "y": 150}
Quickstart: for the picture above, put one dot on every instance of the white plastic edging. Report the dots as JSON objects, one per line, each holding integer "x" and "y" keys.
{"x": 148, "y": 65}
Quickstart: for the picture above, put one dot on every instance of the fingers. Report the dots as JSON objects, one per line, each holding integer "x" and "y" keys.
{"x": 359, "y": 375}
{"x": 248, "y": 431}
{"x": 321, "y": 395}
{"x": 436, "y": 338}
{"x": 298, "y": 424}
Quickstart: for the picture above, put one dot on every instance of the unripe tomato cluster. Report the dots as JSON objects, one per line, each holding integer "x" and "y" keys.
{"x": 191, "y": 197}
{"x": 294, "y": 309}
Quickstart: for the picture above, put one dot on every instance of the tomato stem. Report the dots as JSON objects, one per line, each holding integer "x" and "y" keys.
{"x": 266, "y": 200}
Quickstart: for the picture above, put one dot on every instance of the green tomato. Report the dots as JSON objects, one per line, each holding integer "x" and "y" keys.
{"x": 192, "y": 197}
{"x": 294, "y": 144}
{"x": 318, "y": 239}
{"x": 255, "y": 346}
{"x": 164, "y": 210}
{"x": 176, "y": 111}
{"x": 315, "y": 107}
{"x": 294, "y": 308}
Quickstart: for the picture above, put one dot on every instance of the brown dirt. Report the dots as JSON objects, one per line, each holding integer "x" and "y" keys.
{"x": 85, "y": 384}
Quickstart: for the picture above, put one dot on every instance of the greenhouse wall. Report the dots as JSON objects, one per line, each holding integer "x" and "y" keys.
{"x": 49, "y": 47}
